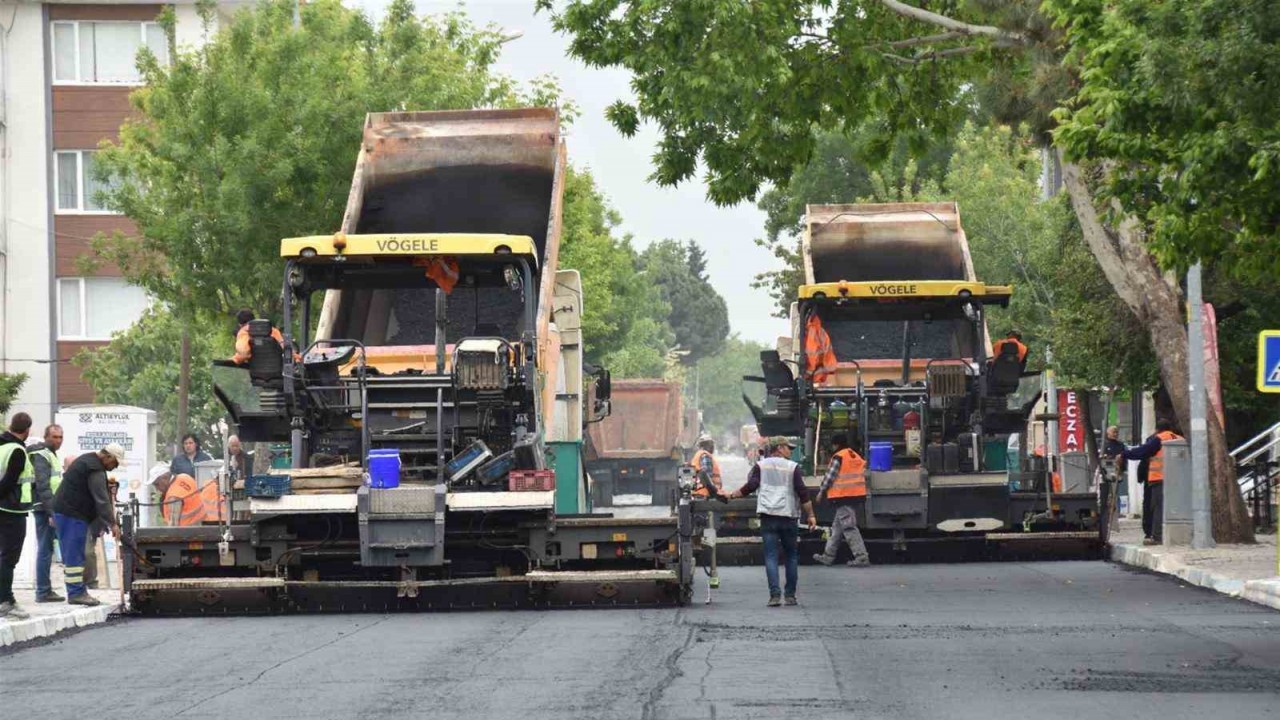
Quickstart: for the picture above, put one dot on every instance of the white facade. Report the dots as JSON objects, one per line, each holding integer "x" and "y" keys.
{"x": 42, "y": 183}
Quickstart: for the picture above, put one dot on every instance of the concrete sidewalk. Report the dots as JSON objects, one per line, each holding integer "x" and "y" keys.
{"x": 1244, "y": 571}
{"x": 52, "y": 618}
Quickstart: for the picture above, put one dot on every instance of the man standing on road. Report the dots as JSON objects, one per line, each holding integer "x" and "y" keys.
{"x": 48, "y": 470}
{"x": 16, "y": 480}
{"x": 1150, "y": 455}
{"x": 782, "y": 495}
{"x": 846, "y": 487}
{"x": 82, "y": 499}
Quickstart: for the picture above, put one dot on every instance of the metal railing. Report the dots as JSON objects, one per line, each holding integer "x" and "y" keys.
{"x": 1258, "y": 473}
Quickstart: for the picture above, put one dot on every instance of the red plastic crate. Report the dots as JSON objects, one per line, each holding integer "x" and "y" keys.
{"x": 531, "y": 480}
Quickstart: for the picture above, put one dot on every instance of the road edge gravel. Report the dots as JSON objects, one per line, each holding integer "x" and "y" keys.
{"x": 41, "y": 626}
{"x": 1263, "y": 592}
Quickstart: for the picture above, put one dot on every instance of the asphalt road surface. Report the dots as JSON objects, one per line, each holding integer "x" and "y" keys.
{"x": 1034, "y": 640}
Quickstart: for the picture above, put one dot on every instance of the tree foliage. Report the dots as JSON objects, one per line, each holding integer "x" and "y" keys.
{"x": 10, "y": 384}
{"x": 624, "y": 316}
{"x": 1179, "y": 98}
{"x": 253, "y": 137}
{"x": 140, "y": 367}
{"x": 719, "y": 385}
{"x": 697, "y": 314}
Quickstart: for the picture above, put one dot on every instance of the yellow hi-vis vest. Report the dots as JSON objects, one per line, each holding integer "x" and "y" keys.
{"x": 26, "y": 479}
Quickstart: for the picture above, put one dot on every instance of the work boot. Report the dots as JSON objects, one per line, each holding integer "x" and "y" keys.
{"x": 49, "y": 597}
{"x": 791, "y": 600}
{"x": 820, "y": 558}
{"x": 863, "y": 561}
{"x": 775, "y": 601}
{"x": 1150, "y": 541}
{"x": 9, "y": 609}
{"x": 84, "y": 599}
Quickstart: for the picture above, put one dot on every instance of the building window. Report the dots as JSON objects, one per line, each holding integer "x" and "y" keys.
{"x": 77, "y": 189}
{"x": 104, "y": 52}
{"x": 95, "y": 308}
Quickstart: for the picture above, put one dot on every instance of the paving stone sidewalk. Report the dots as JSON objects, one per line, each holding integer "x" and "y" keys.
{"x": 1244, "y": 571}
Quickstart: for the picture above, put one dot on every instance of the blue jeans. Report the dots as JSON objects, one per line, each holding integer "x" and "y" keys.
{"x": 777, "y": 531}
{"x": 71, "y": 534}
{"x": 45, "y": 535}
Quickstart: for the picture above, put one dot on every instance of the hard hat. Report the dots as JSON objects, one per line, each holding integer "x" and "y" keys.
{"x": 704, "y": 439}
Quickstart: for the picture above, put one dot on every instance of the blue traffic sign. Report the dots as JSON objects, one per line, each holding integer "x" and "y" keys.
{"x": 1269, "y": 361}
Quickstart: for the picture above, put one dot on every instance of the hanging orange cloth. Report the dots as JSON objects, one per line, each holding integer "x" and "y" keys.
{"x": 819, "y": 358}
{"x": 442, "y": 270}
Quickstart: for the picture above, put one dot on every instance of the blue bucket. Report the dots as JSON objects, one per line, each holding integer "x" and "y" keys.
{"x": 881, "y": 456}
{"x": 384, "y": 468}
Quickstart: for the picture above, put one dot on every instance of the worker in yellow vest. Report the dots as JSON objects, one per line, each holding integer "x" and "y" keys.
{"x": 16, "y": 480}
{"x": 48, "y": 470}
{"x": 845, "y": 486}
{"x": 706, "y": 468}
{"x": 1150, "y": 455}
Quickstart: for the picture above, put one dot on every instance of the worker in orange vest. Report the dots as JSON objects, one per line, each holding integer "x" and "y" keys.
{"x": 186, "y": 503}
{"x": 244, "y": 349}
{"x": 1014, "y": 338}
{"x": 443, "y": 271}
{"x": 819, "y": 358}
{"x": 706, "y": 468}
{"x": 845, "y": 486}
{"x": 1151, "y": 475}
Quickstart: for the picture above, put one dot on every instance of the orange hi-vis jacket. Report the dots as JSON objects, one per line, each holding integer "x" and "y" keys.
{"x": 851, "y": 480}
{"x": 1155, "y": 469}
{"x": 696, "y": 462}
{"x": 244, "y": 350}
{"x": 443, "y": 271}
{"x": 997, "y": 345}
{"x": 186, "y": 504}
{"x": 819, "y": 358}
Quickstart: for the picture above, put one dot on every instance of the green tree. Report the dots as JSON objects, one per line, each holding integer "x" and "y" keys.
{"x": 624, "y": 324}
{"x": 745, "y": 87}
{"x": 10, "y": 384}
{"x": 719, "y": 385}
{"x": 697, "y": 314}
{"x": 140, "y": 367}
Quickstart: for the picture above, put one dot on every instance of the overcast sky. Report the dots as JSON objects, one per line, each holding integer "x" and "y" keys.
{"x": 620, "y": 165}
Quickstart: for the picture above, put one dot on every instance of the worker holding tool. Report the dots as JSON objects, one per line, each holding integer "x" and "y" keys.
{"x": 706, "y": 468}
{"x": 16, "y": 499}
{"x": 48, "y": 470}
{"x": 82, "y": 498}
{"x": 845, "y": 486}
{"x": 1150, "y": 455}
{"x": 782, "y": 496}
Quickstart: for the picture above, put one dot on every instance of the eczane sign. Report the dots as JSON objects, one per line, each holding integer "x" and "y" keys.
{"x": 1070, "y": 422}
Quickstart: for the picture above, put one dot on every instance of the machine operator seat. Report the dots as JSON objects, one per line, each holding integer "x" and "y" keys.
{"x": 1005, "y": 372}
{"x": 266, "y": 363}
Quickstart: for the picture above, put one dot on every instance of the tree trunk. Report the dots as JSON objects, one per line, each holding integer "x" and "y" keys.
{"x": 184, "y": 386}
{"x": 1155, "y": 301}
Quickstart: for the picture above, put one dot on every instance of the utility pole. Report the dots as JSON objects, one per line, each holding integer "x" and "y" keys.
{"x": 1201, "y": 529}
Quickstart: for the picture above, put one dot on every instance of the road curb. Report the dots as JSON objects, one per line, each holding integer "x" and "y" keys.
{"x": 1263, "y": 592}
{"x": 13, "y": 632}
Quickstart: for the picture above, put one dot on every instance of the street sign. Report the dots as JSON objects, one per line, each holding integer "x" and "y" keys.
{"x": 1269, "y": 361}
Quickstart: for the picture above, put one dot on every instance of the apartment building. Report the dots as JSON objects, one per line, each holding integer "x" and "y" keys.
{"x": 67, "y": 70}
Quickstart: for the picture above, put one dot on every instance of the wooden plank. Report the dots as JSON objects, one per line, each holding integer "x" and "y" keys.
{"x": 352, "y": 470}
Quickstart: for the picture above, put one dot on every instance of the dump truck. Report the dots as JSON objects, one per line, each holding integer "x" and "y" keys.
{"x": 635, "y": 452}
{"x": 435, "y": 414}
{"x": 914, "y": 386}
